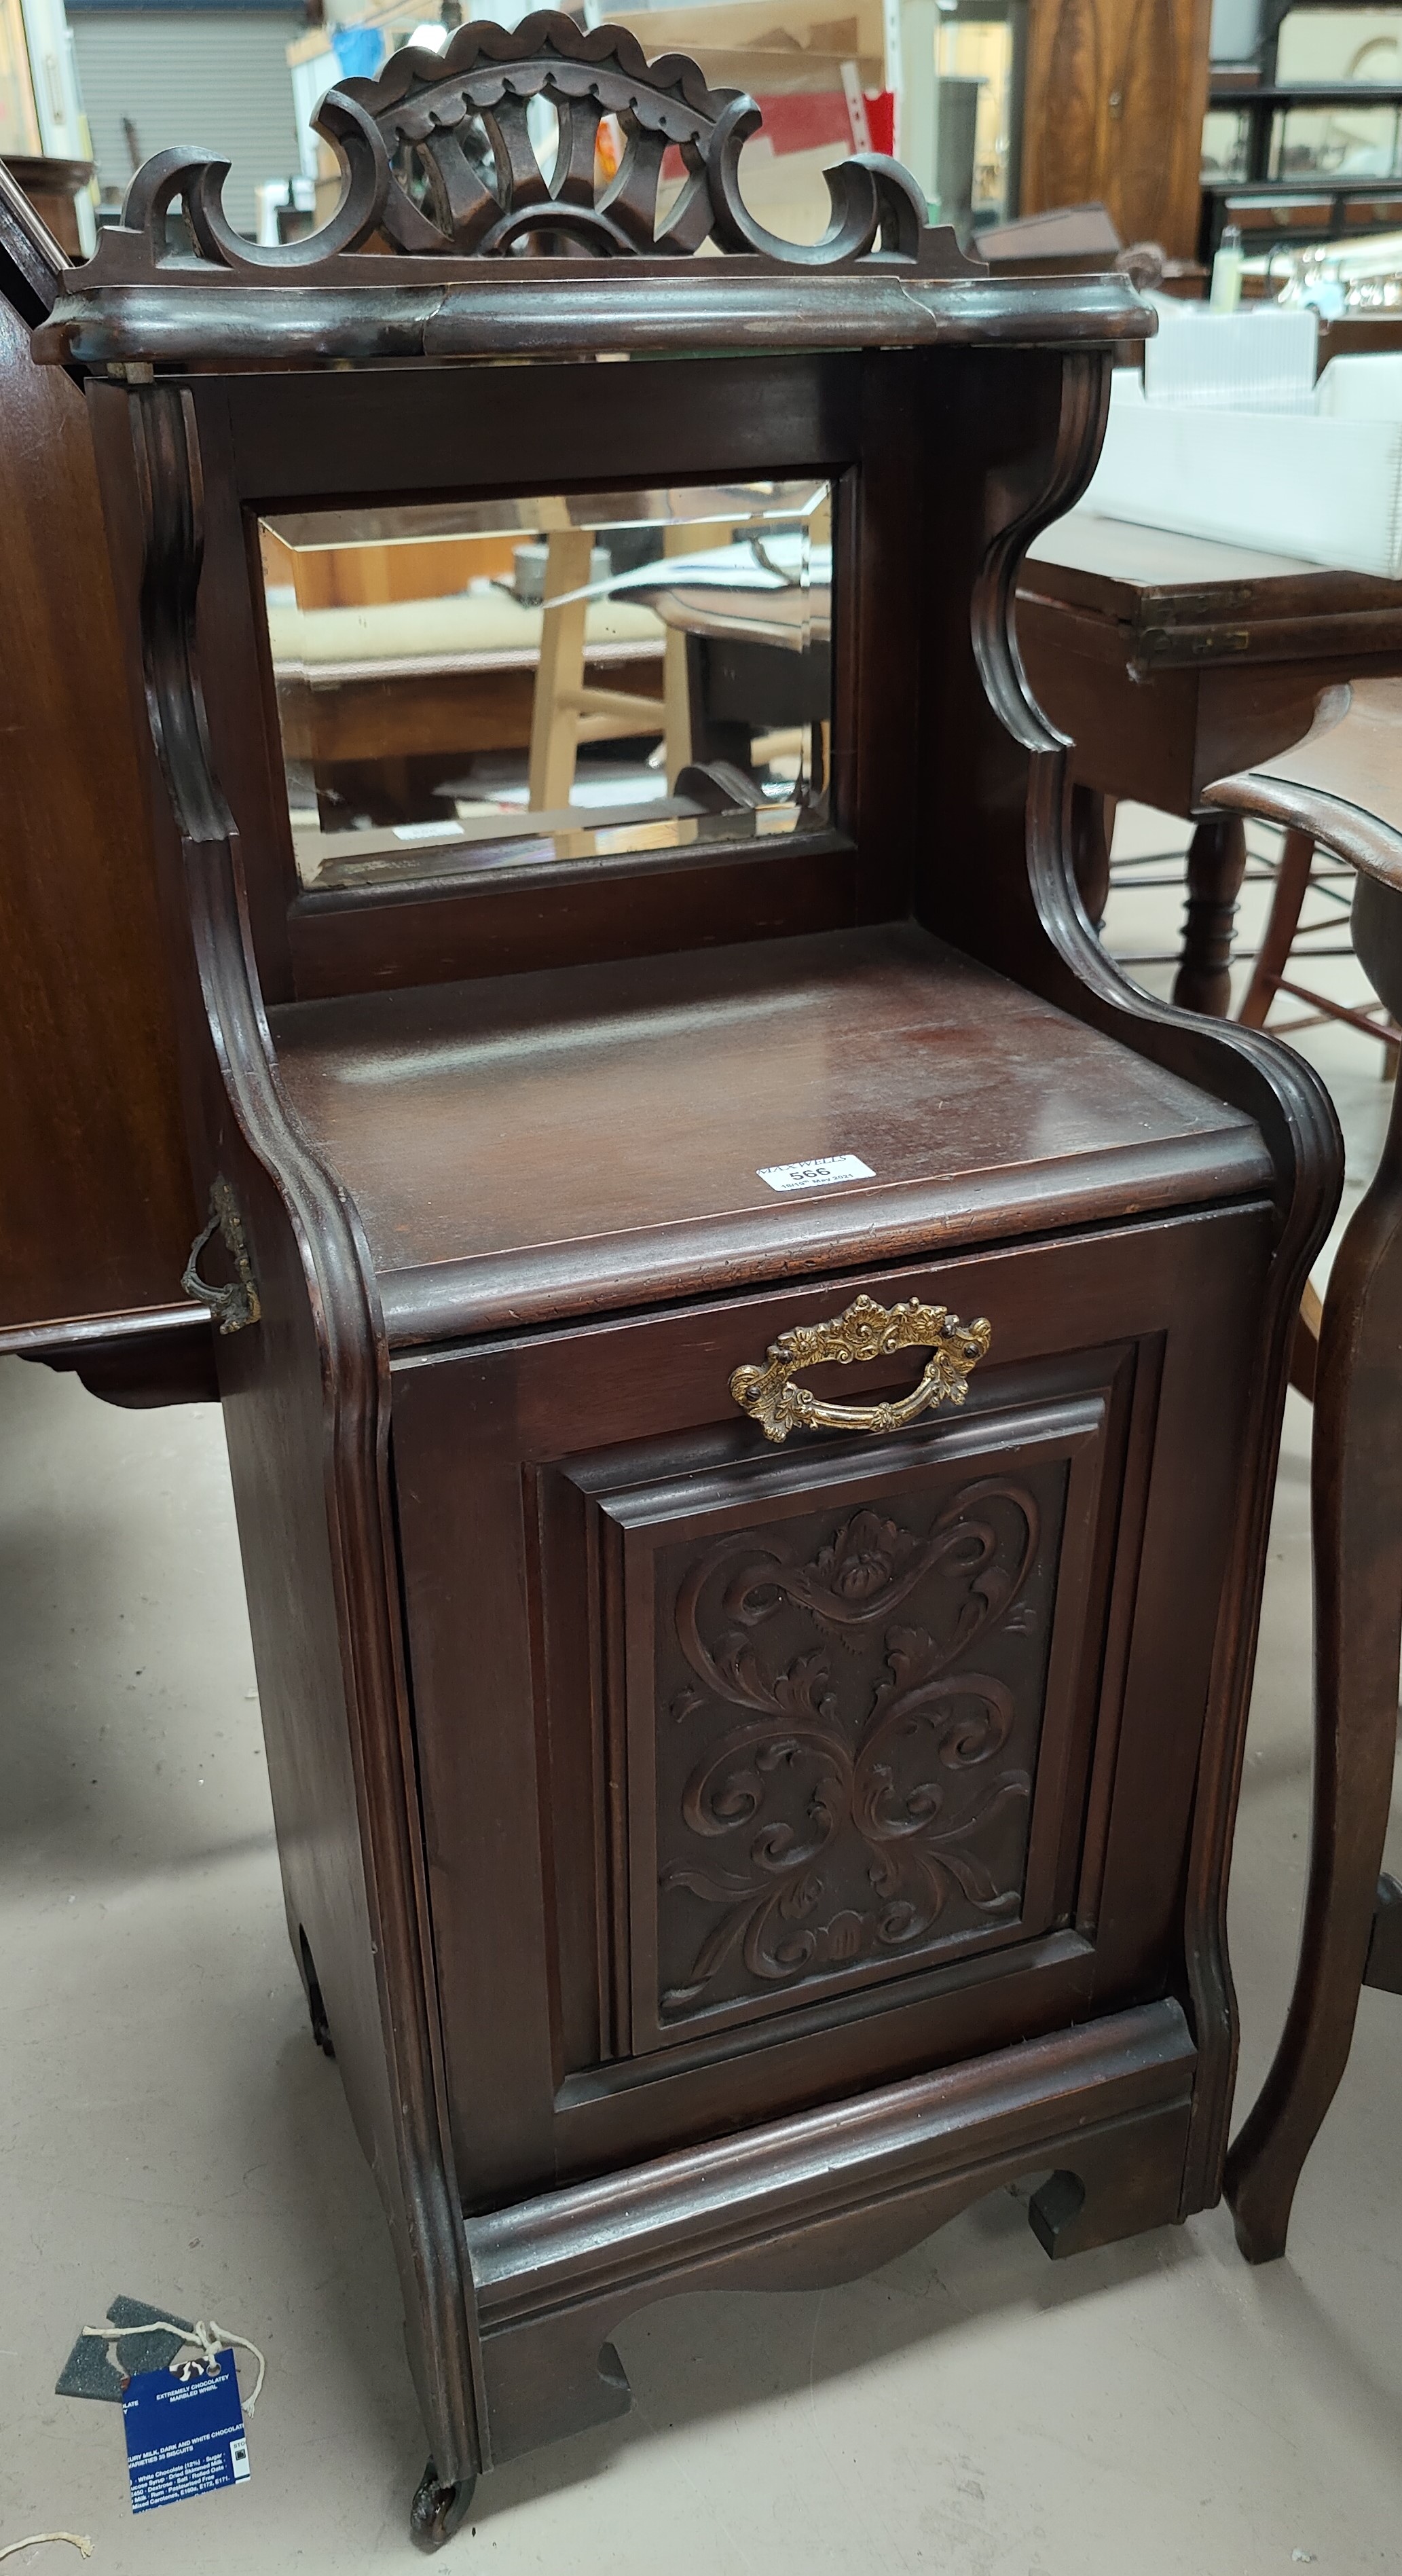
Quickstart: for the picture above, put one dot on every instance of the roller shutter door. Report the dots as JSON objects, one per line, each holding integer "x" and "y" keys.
{"x": 213, "y": 77}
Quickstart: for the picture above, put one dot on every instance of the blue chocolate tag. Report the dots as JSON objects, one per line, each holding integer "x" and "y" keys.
{"x": 184, "y": 2436}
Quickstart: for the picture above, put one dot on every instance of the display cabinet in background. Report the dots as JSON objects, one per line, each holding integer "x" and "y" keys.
{"x": 1302, "y": 143}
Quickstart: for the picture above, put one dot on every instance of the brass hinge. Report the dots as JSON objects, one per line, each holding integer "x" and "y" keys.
{"x": 235, "y": 1303}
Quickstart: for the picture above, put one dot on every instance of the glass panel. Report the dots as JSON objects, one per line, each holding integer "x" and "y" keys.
{"x": 967, "y": 48}
{"x": 489, "y": 683}
{"x": 19, "y": 125}
{"x": 1335, "y": 143}
{"x": 1223, "y": 144}
{"x": 1340, "y": 45}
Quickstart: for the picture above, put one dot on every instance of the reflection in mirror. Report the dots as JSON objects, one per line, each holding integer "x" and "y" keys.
{"x": 491, "y": 683}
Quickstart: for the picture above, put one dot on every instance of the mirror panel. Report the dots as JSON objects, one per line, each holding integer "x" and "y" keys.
{"x": 483, "y": 684}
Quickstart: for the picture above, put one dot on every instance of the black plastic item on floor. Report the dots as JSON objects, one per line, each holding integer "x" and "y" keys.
{"x": 88, "y": 2371}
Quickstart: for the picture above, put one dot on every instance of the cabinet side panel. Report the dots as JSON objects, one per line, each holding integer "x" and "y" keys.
{"x": 270, "y": 1383}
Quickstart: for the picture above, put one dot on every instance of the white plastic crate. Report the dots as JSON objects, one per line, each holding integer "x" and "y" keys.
{"x": 1324, "y": 485}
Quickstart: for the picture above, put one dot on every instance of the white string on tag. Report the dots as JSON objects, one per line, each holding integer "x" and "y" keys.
{"x": 77, "y": 2539}
{"x": 210, "y": 2338}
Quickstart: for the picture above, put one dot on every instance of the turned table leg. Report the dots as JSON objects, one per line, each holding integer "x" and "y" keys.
{"x": 1357, "y": 1516}
{"x": 1216, "y": 866}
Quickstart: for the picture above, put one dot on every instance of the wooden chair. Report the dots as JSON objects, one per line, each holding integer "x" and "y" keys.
{"x": 1297, "y": 875}
{"x": 567, "y": 710}
{"x": 1341, "y": 789}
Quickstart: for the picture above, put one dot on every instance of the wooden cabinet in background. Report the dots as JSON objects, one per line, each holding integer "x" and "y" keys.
{"x": 53, "y": 188}
{"x": 1116, "y": 94}
{"x": 96, "y": 1209}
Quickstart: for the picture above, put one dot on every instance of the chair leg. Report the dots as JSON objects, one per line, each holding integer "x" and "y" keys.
{"x": 1304, "y": 1350}
{"x": 1357, "y": 1515}
{"x": 560, "y": 675}
{"x": 1216, "y": 866}
{"x": 1384, "y": 1967}
{"x": 1092, "y": 830}
{"x": 1291, "y": 887}
{"x": 676, "y": 673}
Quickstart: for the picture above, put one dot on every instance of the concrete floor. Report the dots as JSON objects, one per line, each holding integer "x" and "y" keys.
{"x": 167, "y": 2128}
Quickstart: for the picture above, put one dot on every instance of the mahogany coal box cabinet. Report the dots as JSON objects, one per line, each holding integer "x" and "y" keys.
{"x": 752, "y": 1356}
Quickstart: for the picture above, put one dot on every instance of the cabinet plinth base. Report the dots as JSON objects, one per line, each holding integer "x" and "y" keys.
{"x": 811, "y": 2201}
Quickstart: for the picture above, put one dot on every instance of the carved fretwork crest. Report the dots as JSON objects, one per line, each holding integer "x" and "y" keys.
{"x": 443, "y": 155}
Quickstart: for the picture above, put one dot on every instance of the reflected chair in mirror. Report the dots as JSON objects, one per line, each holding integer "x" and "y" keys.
{"x": 752, "y": 1356}
{"x": 1340, "y": 790}
{"x": 546, "y": 667}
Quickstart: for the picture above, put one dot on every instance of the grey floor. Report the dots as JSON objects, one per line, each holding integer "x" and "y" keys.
{"x": 168, "y": 2129}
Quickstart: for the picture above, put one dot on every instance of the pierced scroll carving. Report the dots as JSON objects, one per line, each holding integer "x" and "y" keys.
{"x": 843, "y": 1781}
{"x": 439, "y": 157}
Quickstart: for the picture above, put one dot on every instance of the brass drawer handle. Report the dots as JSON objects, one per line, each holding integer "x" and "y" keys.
{"x": 866, "y": 1332}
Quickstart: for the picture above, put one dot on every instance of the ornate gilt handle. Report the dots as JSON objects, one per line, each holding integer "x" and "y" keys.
{"x": 866, "y": 1332}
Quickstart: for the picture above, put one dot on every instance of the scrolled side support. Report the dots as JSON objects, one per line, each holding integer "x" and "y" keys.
{"x": 1062, "y": 956}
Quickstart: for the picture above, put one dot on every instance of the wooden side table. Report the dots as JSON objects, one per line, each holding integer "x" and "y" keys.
{"x": 1172, "y": 661}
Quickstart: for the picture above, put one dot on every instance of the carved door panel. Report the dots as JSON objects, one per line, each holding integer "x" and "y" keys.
{"x": 1115, "y": 97}
{"x": 830, "y": 1696}
{"x": 754, "y": 1776}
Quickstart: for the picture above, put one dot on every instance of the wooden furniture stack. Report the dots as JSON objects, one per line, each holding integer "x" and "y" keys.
{"x": 729, "y": 1819}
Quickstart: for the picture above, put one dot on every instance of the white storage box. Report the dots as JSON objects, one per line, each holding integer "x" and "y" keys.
{"x": 1325, "y": 485}
{"x": 1261, "y": 360}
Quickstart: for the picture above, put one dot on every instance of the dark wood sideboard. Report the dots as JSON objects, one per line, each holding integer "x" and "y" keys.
{"x": 98, "y": 1206}
{"x": 752, "y": 1356}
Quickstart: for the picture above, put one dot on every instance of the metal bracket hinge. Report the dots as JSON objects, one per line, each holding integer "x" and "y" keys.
{"x": 235, "y": 1303}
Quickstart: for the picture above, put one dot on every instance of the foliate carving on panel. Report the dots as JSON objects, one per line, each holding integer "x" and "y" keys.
{"x": 861, "y": 1721}
{"x": 440, "y": 154}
